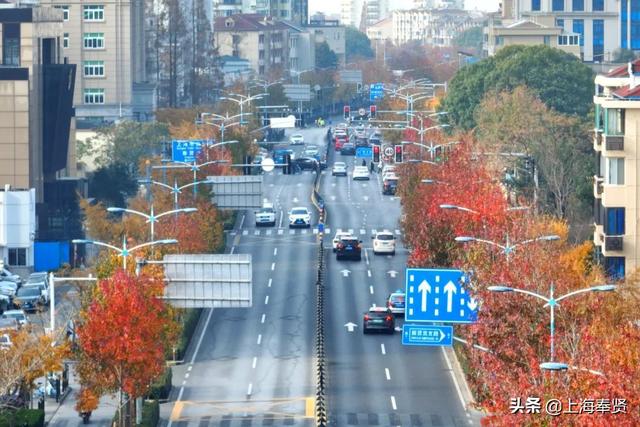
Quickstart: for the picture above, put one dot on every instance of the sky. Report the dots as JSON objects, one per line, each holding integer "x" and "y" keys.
{"x": 333, "y": 6}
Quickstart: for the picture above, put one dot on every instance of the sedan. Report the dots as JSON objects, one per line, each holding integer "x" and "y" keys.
{"x": 396, "y": 302}
{"x": 349, "y": 247}
{"x": 339, "y": 168}
{"x": 384, "y": 242}
{"x": 378, "y": 319}
{"x": 8, "y": 288}
{"x": 360, "y": 172}
{"x": 29, "y": 298}
{"x": 339, "y": 235}
{"x": 307, "y": 163}
{"x": 299, "y": 217}
{"x": 348, "y": 149}
{"x": 296, "y": 139}
{"x": 19, "y": 315}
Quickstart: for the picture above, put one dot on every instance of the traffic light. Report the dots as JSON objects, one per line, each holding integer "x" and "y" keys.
{"x": 376, "y": 153}
{"x": 398, "y": 157}
{"x": 287, "y": 164}
{"x": 246, "y": 168}
{"x": 347, "y": 112}
{"x": 372, "y": 111}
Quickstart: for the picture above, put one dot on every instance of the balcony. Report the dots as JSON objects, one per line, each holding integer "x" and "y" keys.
{"x": 613, "y": 243}
{"x": 614, "y": 142}
{"x": 598, "y": 186}
{"x": 597, "y": 139}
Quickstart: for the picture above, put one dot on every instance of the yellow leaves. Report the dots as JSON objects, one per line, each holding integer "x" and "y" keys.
{"x": 87, "y": 400}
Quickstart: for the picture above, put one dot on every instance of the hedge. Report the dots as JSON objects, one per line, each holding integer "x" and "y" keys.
{"x": 150, "y": 413}
{"x": 161, "y": 388}
{"x": 22, "y": 417}
{"x": 189, "y": 324}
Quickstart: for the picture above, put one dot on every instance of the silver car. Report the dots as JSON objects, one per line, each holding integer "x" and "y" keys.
{"x": 339, "y": 168}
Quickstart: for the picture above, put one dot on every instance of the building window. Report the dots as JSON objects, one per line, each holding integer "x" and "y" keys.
{"x": 614, "y": 267}
{"x": 578, "y": 5}
{"x": 614, "y": 222}
{"x": 546, "y": 40}
{"x": 94, "y": 40}
{"x": 93, "y": 12}
{"x": 11, "y": 44}
{"x": 261, "y": 69}
{"x": 94, "y": 96}
{"x": 598, "y": 5}
{"x": 499, "y": 40}
{"x": 94, "y": 68}
{"x": 65, "y": 12}
{"x": 560, "y": 23}
{"x": 615, "y": 171}
{"x": 535, "y": 5}
{"x": 614, "y": 121}
{"x": 261, "y": 38}
{"x": 557, "y": 5}
{"x": 65, "y": 40}
{"x": 578, "y": 28}
{"x": 598, "y": 40}
{"x": 18, "y": 256}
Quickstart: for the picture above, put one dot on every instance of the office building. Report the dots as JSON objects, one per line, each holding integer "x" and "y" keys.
{"x": 616, "y": 143}
{"x": 331, "y": 31}
{"x": 434, "y": 27}
{"x": 17, "y": 227}
{"x": 106, "y": 40}
{"x": 296, "y": 11}
{"x": 363, "y": 13}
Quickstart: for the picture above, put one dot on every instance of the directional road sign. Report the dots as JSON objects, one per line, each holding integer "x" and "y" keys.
{"x": 186, "y": 150}
{"x": 427, "y": 335}
{"x": 376, "y": 91}
{"x": 364, "y": 153}
{"x": 351, "y": 76}
{"x": 297, "y": 92}
{"x": 438, "y": 295}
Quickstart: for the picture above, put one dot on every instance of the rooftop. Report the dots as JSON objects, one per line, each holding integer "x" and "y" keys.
{"x": 247, "y": 22}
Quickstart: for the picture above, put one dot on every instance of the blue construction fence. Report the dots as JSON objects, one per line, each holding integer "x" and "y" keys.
{"x": 51, "y": 255}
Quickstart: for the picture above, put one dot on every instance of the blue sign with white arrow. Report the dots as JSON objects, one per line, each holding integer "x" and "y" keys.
{"x": 376, "y": 91}
{"x": 427, "y": 335}
{"x": 438, "y": 295}
{"x": 364, "y": 152}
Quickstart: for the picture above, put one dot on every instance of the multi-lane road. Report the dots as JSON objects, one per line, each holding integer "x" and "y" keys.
{"x": 254, "y": 367}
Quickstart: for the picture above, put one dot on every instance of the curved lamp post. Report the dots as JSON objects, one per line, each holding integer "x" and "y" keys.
{"x": 151, "y": 217}
{"x": 124, "y": 251}
{"x": 508, "y": 247}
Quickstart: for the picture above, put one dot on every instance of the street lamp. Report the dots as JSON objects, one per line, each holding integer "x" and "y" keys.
{"x": 241, "y": 100}
{"x": 151, "y": 217}
{"x": 508, "y": 248}
{"x": 124, "y": 251}
{"x": 552, "y": 302}
{"x": 174, "y": 189}
{"x": 459, "y": 208}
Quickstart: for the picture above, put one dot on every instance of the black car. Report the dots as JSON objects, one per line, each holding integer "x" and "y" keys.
{"x": 389, "y": 186}
{"x": 348, "y": 148}
{"x": 378, "y": 319}
{"x": 307, "y": 163}
{"x": 29, "y": 298}
{"x": 349, "y": 247}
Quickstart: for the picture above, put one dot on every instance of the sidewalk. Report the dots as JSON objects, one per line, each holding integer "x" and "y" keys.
{"x": 63, "y": 414}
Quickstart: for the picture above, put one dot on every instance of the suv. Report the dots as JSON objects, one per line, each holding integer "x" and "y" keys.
{"x": 29, "y": 298}
{"x": 349, "y": 247}
{"x": 265, "y": 215}
{"x": 389, "y": 184}
{"x": 384, "y": 242}
{"x": 378, "y": 319}
{"x": 396, "y": 302}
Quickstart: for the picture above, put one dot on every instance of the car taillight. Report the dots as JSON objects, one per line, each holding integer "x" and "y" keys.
{"x": 389, "y": 304}
{"x": 388, "y": 318}
{"x": 340, "y": 246}
{"x": 366, "y": 317}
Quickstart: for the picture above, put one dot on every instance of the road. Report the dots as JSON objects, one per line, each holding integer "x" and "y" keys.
{"x": 251, "y": 367}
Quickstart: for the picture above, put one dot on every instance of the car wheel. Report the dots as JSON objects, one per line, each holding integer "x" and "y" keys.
{"x": 393, "y": 253}
{"x": 365, "y": 331}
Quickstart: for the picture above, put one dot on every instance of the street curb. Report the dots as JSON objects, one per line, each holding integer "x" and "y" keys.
{"x": 62, "y": 398}
{"x": 460, "y": 377}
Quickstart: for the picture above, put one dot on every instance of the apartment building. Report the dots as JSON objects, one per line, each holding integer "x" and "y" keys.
{"x": 438, "y": 4}
{"x": 596, "y": 22}
{"x": 262, "y": 40}
{"x": 435, "y": 27}
{"x": 296, "y": 11}
{"x": 617, "y": 182}
{"x": 106, "y": 39}
{"x": 331, "y": 31}
{"x": 363, "y": 13}
{"x": 37, "y": 136}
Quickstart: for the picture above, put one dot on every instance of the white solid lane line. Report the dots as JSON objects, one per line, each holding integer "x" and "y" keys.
{"x": 281, "y": 218}
{"x": 264, "y": 316}
{"x": 259, "y": 339}
{"x": 186, "y": 376}
{"x": 255, "y": 362}
{"x": 371, "y": 289}
{"x": 366, "y": 257}
{"x": 232, "y": 250}
{"x": 393, "y": 403}
{"x": 384, "y": 351}
{"x": 387, "y": 374}
{"x": 266, "y": 300}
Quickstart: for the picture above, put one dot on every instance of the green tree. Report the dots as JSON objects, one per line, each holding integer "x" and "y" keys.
{"x": 357, "y": 44}
{"x": 125, "y": 143}
{"x": 623, "y": 55}
{"x": 112, "y": 184}
{"x": 559, "y": 79}
{"x": 325, "y": 57}
{"x": 470, "y": 39}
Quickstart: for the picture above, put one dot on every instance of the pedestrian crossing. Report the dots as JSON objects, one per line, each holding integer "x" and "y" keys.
{"x": 307, "y": 231}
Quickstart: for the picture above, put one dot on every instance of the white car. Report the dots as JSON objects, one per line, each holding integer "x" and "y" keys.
{"x": 336, "y": 239}
{"x": 360, "y": 172}
{"x": 299, "y": 217}
{"x": 5, "y": 341}
{"x": 339, "y": 168}
{"x": 384, "y": 242}
{"x": 387, "y": 169}
{"x": 8, "y": 288}
{"x": 19, "y": 315}
{"x": 266, "y": 215}
{"x": 7, "y": 276}
{"x": 296, "y": 139}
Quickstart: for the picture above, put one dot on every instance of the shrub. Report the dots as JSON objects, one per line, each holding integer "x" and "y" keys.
{"x": 22, "y": 417}
{"x": 161, "y": 388}
{"x": 150, "y": 413}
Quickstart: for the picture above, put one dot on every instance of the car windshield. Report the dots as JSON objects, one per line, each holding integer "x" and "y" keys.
{"x": 266, "y": 210}
{"x": 300, "y": 211}
{"x": 384, "y": 237}
{"x": 397, "y": 298}
{"x": 29, "y": 291}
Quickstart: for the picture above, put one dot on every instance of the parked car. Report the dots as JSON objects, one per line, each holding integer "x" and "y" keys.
{"x": 7, "y": 276}
{"x": 5, "y": 303}
{"x": 29, "y": 298}
{"x": 19, "y": 315}
{"x": 8, "y": 288}
{"x": 38, "y": 278}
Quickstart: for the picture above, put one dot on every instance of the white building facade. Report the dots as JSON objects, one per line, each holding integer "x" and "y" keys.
{"x": 435, "y": 27}
{"x": 17, "y": 226}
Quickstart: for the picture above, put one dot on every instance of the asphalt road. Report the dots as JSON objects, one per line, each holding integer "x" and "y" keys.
{"x": 255, "y": 366}
{"x": 373, "y": 379}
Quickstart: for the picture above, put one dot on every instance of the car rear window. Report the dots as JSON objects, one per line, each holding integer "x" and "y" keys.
{"x": 397, "y": 298}
{"x": 378, "y": 314}
{"x": 299, "y": 211}
{"x": 29, "y": 291}
{"x": 350, "y": 241}
{"x": 384, "y": 237}
{"x": 266, "y": 210}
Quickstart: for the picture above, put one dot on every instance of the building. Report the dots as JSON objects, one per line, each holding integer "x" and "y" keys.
{"x": 106, "y": 40}
{"x": 296, "y": 11}
{"x": 37, "y": 135}
{"x": 234, "y": 69}
{"x": 435, "y": 27}
{"x": 262, "y": 40}
{"x": 17, "y": 226}
{"x": 498, "y": 34}
{"x": 599, "y": 23}
{"x": 381, "y": 30}
{"x": 331, "y": 31}
{"x": 617, "y": 182}
{"x": 367, "y": 12}
{"x": 438, "y": 4}
{"x": 302, "y": 48}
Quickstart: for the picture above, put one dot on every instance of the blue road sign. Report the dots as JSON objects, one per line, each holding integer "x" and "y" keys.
{"x": 438, "y": 295}
{"x": 427, "y": 335}
{"x": 376, "y": 91}
{"x": 364, "y": 152}
{"x": 186, "y": 150}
